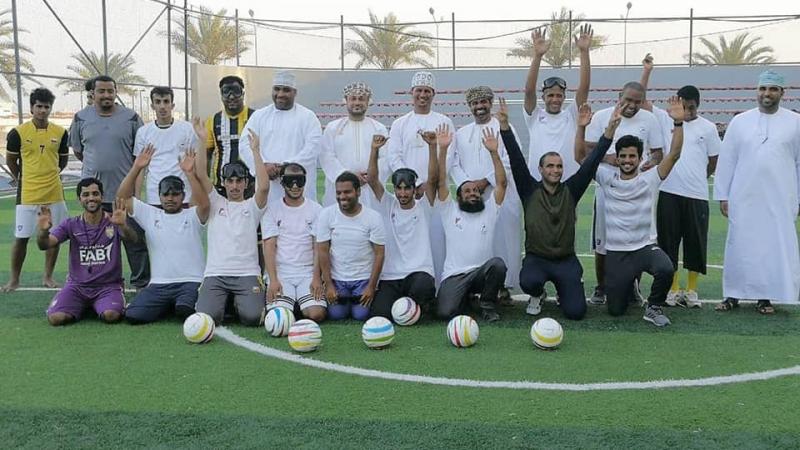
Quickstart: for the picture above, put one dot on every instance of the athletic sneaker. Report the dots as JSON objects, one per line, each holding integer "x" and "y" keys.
{"x": 599, "y": 297}
{"x": 674, "y": 298}
{"x": 504, "y": 297}
{"x": 638, "y": 298}
{"x": 535, "y": 304}
{"x": 690, "y": 300}
{"x": 655, "y": 315}
{"x": 490, "y": 315}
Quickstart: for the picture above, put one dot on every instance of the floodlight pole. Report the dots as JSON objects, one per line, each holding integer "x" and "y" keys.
{"x": 186, "y": 58}
{"x": 105, "y": 39}
{"x": 16, "y": 60}
{"x": 169, "y": 43}
{"x": 255, "y": 31}
{"x": 430, "y": 10}
{"x": 625, "y": 33}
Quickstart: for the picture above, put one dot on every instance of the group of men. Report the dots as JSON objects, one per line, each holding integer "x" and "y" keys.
{"x": 247, "y": 180}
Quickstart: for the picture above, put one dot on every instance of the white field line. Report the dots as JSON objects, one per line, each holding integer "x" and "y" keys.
{"x": 239, "y": 341}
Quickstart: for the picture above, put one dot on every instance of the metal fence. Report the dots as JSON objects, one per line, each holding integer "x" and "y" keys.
{"x": 59, "y": 43}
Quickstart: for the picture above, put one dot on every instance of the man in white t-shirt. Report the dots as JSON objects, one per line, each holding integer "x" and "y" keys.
{"x": 232, "y": 268}
{"x": 552, "y": 128}
{"x": 470, "y": 269}
{"x": 290, "y": 255}
{"x": 630, "y": 198}
{"x": 350, "y": 247}
{"x": 346, "y": 143}
{"x": 174, "y": 241}
{"x": 408, "y": 266}
{"x": 635, "y": 122}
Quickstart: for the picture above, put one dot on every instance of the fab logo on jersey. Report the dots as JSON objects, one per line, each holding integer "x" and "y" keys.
{"x": 95, "y": 255}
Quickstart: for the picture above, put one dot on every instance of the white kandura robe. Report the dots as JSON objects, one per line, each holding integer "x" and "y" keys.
{"x": 286, "y": 136}
{"x": 346, "y": 146}
{"x": 469, "y": 160}
{"x": 408, "y": 149}
{"x": 758, "y": 173}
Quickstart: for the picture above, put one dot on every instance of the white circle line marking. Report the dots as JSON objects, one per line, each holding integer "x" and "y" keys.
{"x": 239, "y": 341}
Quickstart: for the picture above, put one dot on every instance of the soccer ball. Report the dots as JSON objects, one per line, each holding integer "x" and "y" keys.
{"x": 463, "y": 331}
{"x": 198, "y": 328}
{"x": 405, "y": 311}
{"x": 305, "y": 336}
{"x": 278, "y": 321}
{"x": 546, "y": 333}
{"x": 377, "y": 332}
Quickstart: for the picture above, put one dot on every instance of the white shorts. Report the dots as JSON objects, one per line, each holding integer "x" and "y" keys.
{"x": 599, "y": 224}
{"x": 27, "y": 217}
{"x": 297, "y": 290}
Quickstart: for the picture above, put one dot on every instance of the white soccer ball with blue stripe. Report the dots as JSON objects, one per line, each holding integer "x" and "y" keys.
{"x": 377, "y": 332}
{"x": 405, "y": 311}
{"x": 198, "y": 328}
{"x": 305, "y": 336}
{"x": 278, "y": 321}
{"x": 546, "y": 333}
{"x": 463, "y": 331}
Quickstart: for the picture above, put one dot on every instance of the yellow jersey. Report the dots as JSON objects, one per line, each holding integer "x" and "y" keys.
{"x": 38, "y": 151}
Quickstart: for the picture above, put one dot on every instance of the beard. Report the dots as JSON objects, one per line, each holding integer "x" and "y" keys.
{"x": 469, "y": 207}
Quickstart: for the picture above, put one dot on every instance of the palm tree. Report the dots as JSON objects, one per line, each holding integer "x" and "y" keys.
{"x": 742, "y": 49}
{"x": 119, "y": 68}
{"x": 7, "y": 63}
{"x": 212, "y": 37}
{"x": 388, "y": 44}
{"x": 559, "y": 36}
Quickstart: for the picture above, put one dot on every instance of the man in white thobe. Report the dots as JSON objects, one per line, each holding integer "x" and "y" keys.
{"x": 469, "y": 161}
{"x": 408, "y": 149}
{"x": 346, "y": 145}
{"x": 289, "y": 132}
{"x": 758, "y": 187}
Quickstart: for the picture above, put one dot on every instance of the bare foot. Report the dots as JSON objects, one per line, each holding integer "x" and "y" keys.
{"x": 49, "y": 282}
{"x": 11, "y": 286}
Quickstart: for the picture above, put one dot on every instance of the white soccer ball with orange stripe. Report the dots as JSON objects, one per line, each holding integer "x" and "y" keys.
{"x": 198, "y": 328}
{"x": 405, "y": 311}
{"x": 546, "y": 333}
{"x": 305, "y": 336}
{"x": 463, "y": 331}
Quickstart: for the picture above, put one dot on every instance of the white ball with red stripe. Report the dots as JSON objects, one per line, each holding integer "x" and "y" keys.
{"x": 278, "y": 321}
{"x": 198, "y": 328}
{"x": 377, "y": 332}
{"x": 546, "y": 333}
{"x": 405, "y": 311}
{"x": 463, "y": 331}
{"x": 305, "y": 336}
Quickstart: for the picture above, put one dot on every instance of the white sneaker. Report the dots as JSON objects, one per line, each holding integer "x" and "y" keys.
{"x": 674, "y": 297}
{"x": 535, "y": 304}
{"x": 691, "y": 300}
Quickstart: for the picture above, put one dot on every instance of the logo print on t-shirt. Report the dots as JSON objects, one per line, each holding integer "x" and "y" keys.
{"x": 279, "y": 223}
{"x": 222, "y": 212}
{"x": 95, "y": 255}
{"x": 109, "y": 232}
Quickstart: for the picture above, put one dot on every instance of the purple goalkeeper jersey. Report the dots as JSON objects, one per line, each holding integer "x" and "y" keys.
{"x": 94, "y": 251}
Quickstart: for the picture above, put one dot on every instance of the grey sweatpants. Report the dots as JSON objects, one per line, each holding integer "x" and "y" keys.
{"x": 248, "y": 294}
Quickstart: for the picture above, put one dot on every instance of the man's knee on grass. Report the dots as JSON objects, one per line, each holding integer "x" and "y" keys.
{"x": 58, "y": 319}
{"x": 315, "y": 313}
{"x": 111, "y": 316}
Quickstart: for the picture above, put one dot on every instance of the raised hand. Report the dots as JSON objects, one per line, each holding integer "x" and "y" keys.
{"x": 583, "y": 40}
{"x": 490, "y": 140}
{"x": 428, "y": 136}
{"x": 584, "y": 115}
{"x": 255, "y": 142}
{"x": 199, "y": 129}
{"x": 647, "y": 62}
{"x": 379, "y": 140}
{"x": 443, "y": 135}
{"x": 616, "y": 116}
{"x": 186, "y": 162}
{"x": 119, "y": 216}
{"x": 44, "y": 220}
{"x": 540, "y": 43}
{"x": 676, "y": 110}
{"x": 144, "y": 158}
{"x": 502, "y": 114}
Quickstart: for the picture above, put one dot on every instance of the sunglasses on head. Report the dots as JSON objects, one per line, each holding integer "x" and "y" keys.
{"x": 231, "y": 90}
{"x": 554, "y": 81}
{"x": 291, "y": 180}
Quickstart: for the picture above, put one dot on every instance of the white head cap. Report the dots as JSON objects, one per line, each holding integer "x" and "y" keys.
{"x": 423, "y": 79}
{"x": 284, "y": 78}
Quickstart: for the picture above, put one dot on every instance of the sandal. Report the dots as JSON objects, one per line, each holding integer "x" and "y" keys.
{"x": 727, "y": 304}
{"x": 765, "y": 307}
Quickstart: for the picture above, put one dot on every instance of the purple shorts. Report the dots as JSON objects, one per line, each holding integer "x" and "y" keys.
{"x": 350, "y": 288}
{"x": 73, "y": 299}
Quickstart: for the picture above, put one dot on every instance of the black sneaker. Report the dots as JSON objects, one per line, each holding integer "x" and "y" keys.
{"x": 490, "y": 315}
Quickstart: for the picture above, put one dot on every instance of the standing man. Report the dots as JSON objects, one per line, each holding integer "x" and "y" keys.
{"x": 346, "y": 144}
{"x": 408, "y": 270}
{"x": 630, "y": 197}
{"x": 635, "y": 122}
{"x": 224, "y": 130}
{"x": 288, "y": 131}
{"x": 469, "y": 225}
{"x": 174, "y": 240}
{"x": 350, "y": 245}
{"x": 408, "y": 148}
{"x": 102, "y": 137}
{"x": 171, "y": 140}
{"x": 552, "y": 128}
{"x": 471, "y": 162}
{"x": 95, "y": 263}
{"x": 290, "y": 249}
{"x": 36, "y": 153}
{"x": 232, "y": 268}
{"x": 758, "y": 187}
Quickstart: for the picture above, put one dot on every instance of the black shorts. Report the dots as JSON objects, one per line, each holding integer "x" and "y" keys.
{"x": 680, "y": 218}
